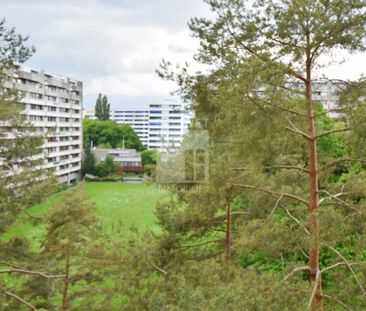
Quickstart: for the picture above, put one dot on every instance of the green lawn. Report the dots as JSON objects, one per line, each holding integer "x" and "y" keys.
{"x": 118, "y": 204}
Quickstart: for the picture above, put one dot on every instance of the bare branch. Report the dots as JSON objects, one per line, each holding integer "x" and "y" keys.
{"x": 345, "y": 129}
{"x": 21, "y": 300}
{"x": 349, "y": 267}
{"x": 273, "y": 210}
{"x": 159, "y": 269}
{"x": 341, "y": 263}
{"x": 332, "y": 196}
{"x": 335, "y": 162}
{"x": 42, "y": 274}
{"x": 294, "y": 129}
{"x": 297, "y": 269}
{"x": 284, "y": 194}
{"x": 288, "y": 167}
{"x": 338, "y": 301}
{"x": 201, "y": 244}
{"x": 295, "y": 219}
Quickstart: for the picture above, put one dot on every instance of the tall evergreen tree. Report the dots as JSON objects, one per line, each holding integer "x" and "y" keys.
{"x": 258, "y": 49}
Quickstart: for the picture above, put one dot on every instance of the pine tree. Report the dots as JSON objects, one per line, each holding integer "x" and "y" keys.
{"x": 23, "y": 179}
{"x": 258, "y": 104}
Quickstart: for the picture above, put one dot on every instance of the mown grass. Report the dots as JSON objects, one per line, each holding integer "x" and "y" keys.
{"x": 118, "y": 204}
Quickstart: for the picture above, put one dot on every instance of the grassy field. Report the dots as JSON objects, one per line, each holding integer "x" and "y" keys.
{"x": 118, "y": 204}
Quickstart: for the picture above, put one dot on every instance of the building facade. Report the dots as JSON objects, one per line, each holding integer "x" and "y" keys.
{"x": 160, "y": 126}
{"x": 128, "y": 159}
{"x": 137, "y": 119}
{"x": 168, "y": 122}
{"x": 53, "y": 105}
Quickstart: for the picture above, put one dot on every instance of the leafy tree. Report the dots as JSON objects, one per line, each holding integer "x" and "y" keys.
{"x": 257, "y": 104}
{"x": 148, "y": 160}
{"x": 102, "y": 108}
{"x": 106, "y": 167}
{"x": 101, "y": 133}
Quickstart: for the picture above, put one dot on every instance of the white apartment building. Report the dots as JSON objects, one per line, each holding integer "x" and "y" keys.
{"x": 137, "y": 119}
{"x": 53, "y": 105}
{"x": 160, "y": 126}
{"x": 168, "y": 122}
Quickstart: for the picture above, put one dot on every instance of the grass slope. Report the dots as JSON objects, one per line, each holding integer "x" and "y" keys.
{"x": 117, "y": 204}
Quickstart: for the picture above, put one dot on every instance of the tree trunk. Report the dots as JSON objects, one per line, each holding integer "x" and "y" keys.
{"x": 317, "y": 303}
{"x": 228, "y": 227}
{"x": 65, "y": 301}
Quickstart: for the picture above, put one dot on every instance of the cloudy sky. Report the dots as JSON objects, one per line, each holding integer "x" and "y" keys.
{"x": 115, "y": 46}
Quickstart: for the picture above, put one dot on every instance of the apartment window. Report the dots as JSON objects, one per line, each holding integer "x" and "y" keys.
{"x": 75, "y": 102}
{"x": 51, "y": 139}
{"x": 51, "y": 98}
{"x": 51, "y": 119}
{"x": 64, "y": 100}
{"x": 35, "y": 95}
{"x": 35, "y": 118}
{"x": 64, "y": 148}
{"x": 36, "y": 107}
{"x": 76, "y": 93}
{"x": 52, "y": 108}
{"x": 52, "y": 88}
{"x": 64, "y": 157}
{"x": 51, "y": 149}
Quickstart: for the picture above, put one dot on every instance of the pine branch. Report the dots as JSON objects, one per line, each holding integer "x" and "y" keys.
{"x": 335, "y": 162}
{"x": 289, "y": 71}
{"x": 42, "y": 274}
{"x": 20, "y": 300}
{"x": 294, "y": 129}
{"x": 202, "y": 244}
{"x": 297, "y": 269}
{"x": 341, "y": 263}
{"x": 274, "y": 193}
{"x": 296, "y": 220}
{"x": 349, "y": 265}
{"x": 345, "y": 129}
{"x": 159, "y": 269}
{"x": 288, "y": 167}
{"x": 338, "y": 301}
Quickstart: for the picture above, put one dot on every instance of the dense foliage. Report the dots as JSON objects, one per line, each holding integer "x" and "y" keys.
{"x": 108, "y": 134}
{"x": 102, "y": 108}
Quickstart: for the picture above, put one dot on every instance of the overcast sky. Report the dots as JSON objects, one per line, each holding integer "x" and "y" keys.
{"x": 115, "y": 46}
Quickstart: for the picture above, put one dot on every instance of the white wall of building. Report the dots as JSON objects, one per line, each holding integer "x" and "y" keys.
{"x": 53, "y": 105}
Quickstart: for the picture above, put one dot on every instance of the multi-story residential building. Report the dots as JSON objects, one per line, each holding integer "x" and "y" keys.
{"x": 159, "y": 126}
{"x": 53, "y": 105}
{"x": 137, "y": 119}
{"x": 168, "y": 122}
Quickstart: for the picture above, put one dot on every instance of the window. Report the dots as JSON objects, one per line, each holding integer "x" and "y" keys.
{"x": 35, "y": 95}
